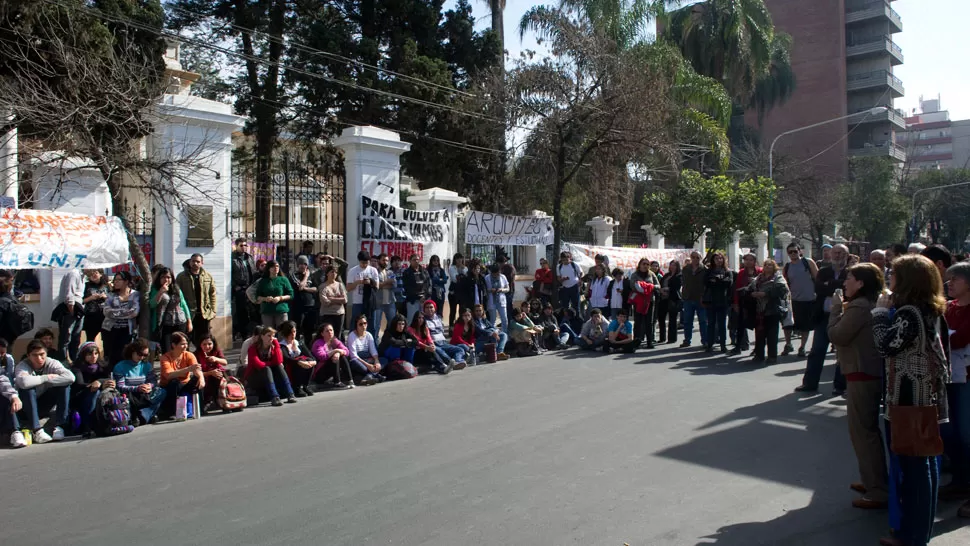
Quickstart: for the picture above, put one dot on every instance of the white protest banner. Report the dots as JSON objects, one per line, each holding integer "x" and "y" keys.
{"x": 624, "y": 258}
{"x": 485, "y": 228}
{"x": 392, "y": 230}
{"x": 44, "y": 239}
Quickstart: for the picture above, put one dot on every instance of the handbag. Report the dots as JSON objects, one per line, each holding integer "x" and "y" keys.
{"x": 915, "y": 430}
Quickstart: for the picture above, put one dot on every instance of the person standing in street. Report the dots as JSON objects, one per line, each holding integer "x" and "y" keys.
{"x": 361, "y": 281}
{"x": 508, "y": 271}
{"x": 800, "y": 273}
{"x": 199, "y": 290}
{"x": 71, "y": 322}
{"x": 385, "y": 307}
{"x": 416, "y": 285}
{"x": 569, "y": 274}
{"x": 718, "y": 282}
{"x": 957, "y": 439}
{"x": 743, "y": 304}
{"x": 693, "y": 293}
{"x": 243, "y": 273}
{"x": 829, "y": 279}
{"x": 498, "y": 290}
{"x": 303, "y": 308}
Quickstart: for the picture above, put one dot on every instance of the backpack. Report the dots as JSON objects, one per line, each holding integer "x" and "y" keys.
{"x": 400, "y": 369}
{"x": 232, "y": 394}
{"x": 491, "y": 353}
{"x": 18, "y": 318}
{"x": 112, "y": 414}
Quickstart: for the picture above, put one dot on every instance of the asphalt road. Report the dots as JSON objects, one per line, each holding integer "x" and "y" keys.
{"x": 660, "y": 448}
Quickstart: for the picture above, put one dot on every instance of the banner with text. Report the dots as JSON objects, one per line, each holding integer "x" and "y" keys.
{"x": 43, "y": 239}
{"x": 485, "y": 228}
{"x": 624, "y": 258}
{"x": 395, "y": 231}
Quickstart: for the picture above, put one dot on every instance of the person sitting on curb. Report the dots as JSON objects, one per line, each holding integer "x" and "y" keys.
{"x": 264, "y": 367}
{"x": 10, "y": 402}
{"x": 43, "y": 384}
{"x": 594, "y": 332}
{"x": 135, "y": 377}
{"x": 621, "y": 334}
{"x": 181, "y": 373}
{"x": 552, "y": 337}
{"x": 525, "y": 334}
{"x": 486, "y": 332}
{"x": 456, "y": 353}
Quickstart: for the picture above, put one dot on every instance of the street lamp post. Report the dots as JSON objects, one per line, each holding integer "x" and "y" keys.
{"x": 771, "y": 170}
{"x": 912, "y": 226}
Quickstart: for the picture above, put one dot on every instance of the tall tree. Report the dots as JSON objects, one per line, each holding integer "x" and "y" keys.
{"x": 944, "y": 213}
{"x": 870, "y": 207}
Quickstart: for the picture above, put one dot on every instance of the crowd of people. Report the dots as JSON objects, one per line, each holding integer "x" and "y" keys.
{"x": 899, "y": 322}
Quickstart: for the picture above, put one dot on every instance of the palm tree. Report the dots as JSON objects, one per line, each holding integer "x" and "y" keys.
{"x": 734, "y": 42}
{"x": 497, "y": 7}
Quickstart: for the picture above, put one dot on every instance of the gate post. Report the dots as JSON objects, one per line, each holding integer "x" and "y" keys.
{"x": 372, "y": 160}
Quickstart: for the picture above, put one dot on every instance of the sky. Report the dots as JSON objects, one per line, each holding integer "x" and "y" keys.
{"x": 934, "y": 42}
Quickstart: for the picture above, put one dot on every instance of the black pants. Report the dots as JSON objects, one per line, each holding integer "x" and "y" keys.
{"x": 200, "y": 329}
{"x": 337, "y": 321}
{"x": 622, "y": 347}
{"x": 92, "y": 325}
{"x": 173, "y": 390}
{"x": 305, "y": 319}
{"x": 452, "y": 310}
{"x": 663, "y": 306}
{"x": 644, "y": 325}
{"x": 339, "y": 371}
{"x": 673, "y": 314}
{"x": 299, "y": 376}
{"x": 114, "y": 342}
{"x": 740, "y": 332}
{"x": 166, "y": 335}
{"x": 767, "y": 333}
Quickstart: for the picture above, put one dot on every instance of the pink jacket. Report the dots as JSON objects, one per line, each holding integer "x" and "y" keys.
{"x": 322, "y": 353}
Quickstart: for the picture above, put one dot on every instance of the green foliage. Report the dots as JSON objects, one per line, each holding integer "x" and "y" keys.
{"x": 717, "y": 203}
{"x": 943, "y": 214}
{"x": 869, "y": 206}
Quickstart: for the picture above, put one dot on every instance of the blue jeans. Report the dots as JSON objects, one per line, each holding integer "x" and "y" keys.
{"x": 395, "y": 353}
{"x": 503, "y": 338}
{"x": 69, "y": 335}
{"x": 717, "y": 325}
{"x": 917, "y": 494}
{"x": 594, "y": 345}
{"x": 9, "y": 422}
{"x": 148, "y": 408}
{"x": 690, "y": 309}
{"x": 816, "y": 358}
{"x": 569, "y": 297}
{"x": 503, "y": 315}
{"x": 357, "y": 310}
{"x": 413, "y": 307}
{"x": 388, "y": 311}
{"x": 54, "y": 397}
{"x": 275, "y": 379}
{"x": 565, "y": 328}
{"x": 956, "y": 433}
{"x": 87, "y": 402}
{"x": 450, "y": 351}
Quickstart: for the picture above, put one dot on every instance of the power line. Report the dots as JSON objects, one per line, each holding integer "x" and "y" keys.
{"x": 327, "y": 54}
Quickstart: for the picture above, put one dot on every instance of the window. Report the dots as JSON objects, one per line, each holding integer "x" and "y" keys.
{"x": 199, "y": 219}
{"x": 279, "y": 215}
{"x": 310, "y": 216}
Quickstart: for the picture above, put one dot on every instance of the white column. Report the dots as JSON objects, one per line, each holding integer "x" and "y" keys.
{"x": 784, "y": 239}
{"x": 437, "y": 199}
{"x": 761, "y": 247}
{"x": 806, "y": 246}
{"x": 734, "y": 251}
{"x": 602, "y": 230}
{"x": 9, "y": 166}
{"x": 372, "y": 160}
{"x": 656, "y": 240}
{"x": 701, "y": 244}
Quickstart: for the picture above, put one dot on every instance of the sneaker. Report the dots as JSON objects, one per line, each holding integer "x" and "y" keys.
{"x": 787, "y": 350}
{"x": 459, "y": 365}
{"x": 736, "y": 351}
{"x": 308, "y": 390}
{"x": 17, "y": 439}
{"x": 445, "y": 370}
{"x": 771, "y": 361}
{"x": 276, "y": 401}
{"x": 58, "y": 434}
{"x": 708, "y": 348}
{"x": 379, "y": 378}
{"x": 452, "y": 363}
{"x": 801, "y": 352}
{"x": 685, "y": 344}
{"x": 298, "y": 392}
{"x": 367, "y": 380}
{"x": 41, "y": 436}
{"x": 340, "y": 386}
{"x": 291, "y": 400}
{"x": 724, "y": 349}
{"x": 803, "y": 388}
{"x": 838, "y": 392}
{"x": 502, "y": 356}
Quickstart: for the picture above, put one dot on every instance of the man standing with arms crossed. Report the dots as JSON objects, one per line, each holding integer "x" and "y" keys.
{"x": 199, "y": 291}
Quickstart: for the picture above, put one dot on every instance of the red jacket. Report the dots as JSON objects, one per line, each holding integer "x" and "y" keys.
{"x": 256, "y": 362}
{"x": 958, "y": 319}
{"x": 743, "y": 281}
{"x": 641, "y": 301}
{"x": 460, "y": 336}
{"x": 544, "y": 276}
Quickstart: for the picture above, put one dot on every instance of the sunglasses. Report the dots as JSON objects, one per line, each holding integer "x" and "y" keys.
{"x": 144, "y": 355}
{"x": 793, "y": 252}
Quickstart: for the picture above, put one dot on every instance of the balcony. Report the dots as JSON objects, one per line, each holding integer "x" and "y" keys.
{"x": 868, "y": 81}
{"x": 862, "y": 12}
{"x": 874, "y": 46}
{"x": 891, "y": 115}
{"x": 885, "y": 148}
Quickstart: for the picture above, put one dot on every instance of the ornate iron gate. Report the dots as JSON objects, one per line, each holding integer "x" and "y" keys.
{"x": 307, "y": 198}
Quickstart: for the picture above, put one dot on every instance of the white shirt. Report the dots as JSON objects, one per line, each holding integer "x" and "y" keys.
{"x": 357, "y": 274}
{"x": 571, "y": 271}
{"x": 616, "y": 298}
{"x": 598, "y": 296}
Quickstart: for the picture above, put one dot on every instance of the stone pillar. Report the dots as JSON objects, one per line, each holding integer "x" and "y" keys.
{"x": 656, "y": 240}
{"x": 806, "y": 246}
{"x": 701, "y": 244}
{"x": 761, "y": 247}
{"x": 734, "y": 251}
{"x": 437, "y": 199}
{"x": 534, "y": 253}
{"x": 9, "y": 166}
{"x": 602, "y": 230}
{"x": 372, "y": 160}
{"x": 784, "y": 239}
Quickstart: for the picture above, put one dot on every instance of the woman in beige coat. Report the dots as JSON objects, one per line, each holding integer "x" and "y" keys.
{"x": 850, "y": 329}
